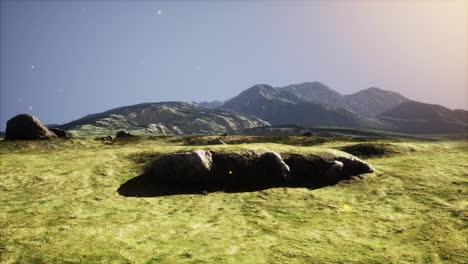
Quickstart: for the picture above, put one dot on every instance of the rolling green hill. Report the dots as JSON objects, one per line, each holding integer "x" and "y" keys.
{"x": 59, "y": 204}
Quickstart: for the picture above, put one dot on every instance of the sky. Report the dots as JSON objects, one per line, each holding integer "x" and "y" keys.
{"x": 61, "y": 60}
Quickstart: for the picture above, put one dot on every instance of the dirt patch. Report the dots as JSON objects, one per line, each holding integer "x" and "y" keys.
{"x": 204, "y": 171}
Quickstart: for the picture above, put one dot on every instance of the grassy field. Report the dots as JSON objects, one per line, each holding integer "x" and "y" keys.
{"x": 59, "y": 204}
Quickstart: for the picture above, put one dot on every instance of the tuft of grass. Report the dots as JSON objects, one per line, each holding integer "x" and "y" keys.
{"x": 59, "y": 204}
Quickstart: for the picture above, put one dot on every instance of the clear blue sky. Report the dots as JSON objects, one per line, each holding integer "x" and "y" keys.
{"x": 61, "y": 60}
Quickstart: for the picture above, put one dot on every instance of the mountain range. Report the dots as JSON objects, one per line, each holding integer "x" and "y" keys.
{"x": 367, "y": 103}
{"x": 316, "y": 104}
{"x": 310, "y": 103}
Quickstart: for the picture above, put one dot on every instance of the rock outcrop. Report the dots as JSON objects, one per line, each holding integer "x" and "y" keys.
{"x": 186, "y": 167}
{"x": 207, "y": 171}
{"x": 27, "y": 127}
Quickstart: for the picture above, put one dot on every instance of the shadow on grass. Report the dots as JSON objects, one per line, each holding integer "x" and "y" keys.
{"x": 145, "y": 186}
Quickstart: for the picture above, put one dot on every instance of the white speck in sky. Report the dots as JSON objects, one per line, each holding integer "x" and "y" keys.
{"x": 158, "y": 12}
{"x": 33, "y": 66}
{"x": 29, "y": 107}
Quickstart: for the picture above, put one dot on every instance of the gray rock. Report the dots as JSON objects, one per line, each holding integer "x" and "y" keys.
{"x": 183, "y": 168}
{"x": 312, "y": 170}
{"x": 27, "y": 127}
{"x": 277, "y": 164}
{"x": 354, "y": 166}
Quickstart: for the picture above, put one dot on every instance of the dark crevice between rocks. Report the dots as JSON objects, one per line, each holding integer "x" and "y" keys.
{"x": 202, "y": 171}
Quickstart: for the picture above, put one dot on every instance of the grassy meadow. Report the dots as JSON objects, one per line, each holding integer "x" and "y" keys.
{"x": 59, "y": 204}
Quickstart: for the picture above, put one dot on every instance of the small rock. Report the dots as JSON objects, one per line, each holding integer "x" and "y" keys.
{"x": 106, "y": 138}
{"x": 122, "y": 134}
{"x": 60, "y": 133}
{"x": 217, "y": 142}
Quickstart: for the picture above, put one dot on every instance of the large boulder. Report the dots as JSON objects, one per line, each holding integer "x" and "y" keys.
{"x": 60, "y": 133}
{"x": 27, "y": 127}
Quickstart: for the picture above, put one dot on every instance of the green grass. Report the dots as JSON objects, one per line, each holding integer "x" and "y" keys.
{"x": 59, "y": 204}
{"x": 350, "y": 133}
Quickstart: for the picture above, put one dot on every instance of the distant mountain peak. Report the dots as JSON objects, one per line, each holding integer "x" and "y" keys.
{"x": 378, "y": 90}
{"x": 373, "y": 101}
{"x": 310, "y": 103}
{"x": 316, "y": 91}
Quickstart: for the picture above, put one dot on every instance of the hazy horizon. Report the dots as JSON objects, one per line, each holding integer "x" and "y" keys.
{"x": 63, "y": 60}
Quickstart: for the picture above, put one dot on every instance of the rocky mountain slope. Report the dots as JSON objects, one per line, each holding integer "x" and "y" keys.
{"x": 210, "y": 104}
{"x": 315, "y": 104}
{"x": 298, "y": 105}
{"x": 368, "y": 102}
{"x": 373, "y": 101}
{"x": 416, "y": 117}
{"x": 162, "y": 118}
{"x": 316, "y": 91}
